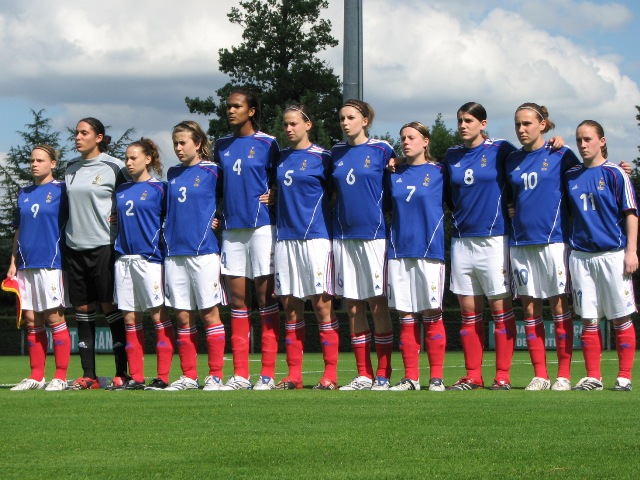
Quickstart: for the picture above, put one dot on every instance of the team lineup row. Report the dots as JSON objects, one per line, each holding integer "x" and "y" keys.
{"x": 306, "y": 223}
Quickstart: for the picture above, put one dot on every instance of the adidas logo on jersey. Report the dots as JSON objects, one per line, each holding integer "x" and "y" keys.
{"x": 121, "y": 196}
{"x": 517, "y": 169}
{"x": 341, "y": 163}
{"x": 399, "y": 180}
{"x": 227, "y": 153}
{"x": 280, "y": 166}
{"x": 173, "y": 182}
{"x": 26, "y": 200}
{"x": 575, "y": 187}
{"x": 457, "y": 165}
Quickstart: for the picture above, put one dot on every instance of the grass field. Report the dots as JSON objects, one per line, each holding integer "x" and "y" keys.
{"x": 319, "y": 434}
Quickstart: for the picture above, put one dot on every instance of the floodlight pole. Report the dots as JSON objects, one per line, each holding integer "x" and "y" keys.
{"x": 352, "y": 50}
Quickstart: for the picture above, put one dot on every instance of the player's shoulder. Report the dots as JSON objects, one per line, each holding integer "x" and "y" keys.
{"x": 265, "y": 137}
{"x": 379, "y": 143}
{"x": 318, "y": 150}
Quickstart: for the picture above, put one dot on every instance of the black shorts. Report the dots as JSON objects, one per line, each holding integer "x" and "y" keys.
{"x": 89, "y": 275}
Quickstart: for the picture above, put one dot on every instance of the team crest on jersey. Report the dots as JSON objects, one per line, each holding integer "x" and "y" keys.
{"x": 483, "y": 161}
{"x": 303, "y": 167}
{"x": 97, "y": 180}
{"x": 156, "y": 287}
{"x": 601, "y": 184}
{"x": 49, "y": 197}
{"x": 427, "y": 180}
{"x": 196, "y": 182}
{"x": 545, "y": 165}
{"x": 367, "y": 162}
{"x": 318, "y": 274}
{"x": 144, "y": 195}
{"x": 54, "y": 292}
{"x": 433, "y": 287}
{"x": 252, "y": 153}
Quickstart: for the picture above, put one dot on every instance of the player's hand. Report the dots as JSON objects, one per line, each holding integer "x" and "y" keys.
{"x": 557, "y": 142}
{"x": 511, "y": 210}
{"x": 112, "y": 219}
{"x": 626, "y": 167}
{"x": 11, "y": 273}
{"x": 215, "y": 224}
{"x": 269, "y": 198}
{"x": 630, "y": 262}
{"x": 394, "y": 163}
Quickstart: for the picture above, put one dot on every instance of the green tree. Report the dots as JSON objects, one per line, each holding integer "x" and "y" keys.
{"x": 442, "y": 138}
{"x": 277, "y": 58}
{"x": 15, "y": 171}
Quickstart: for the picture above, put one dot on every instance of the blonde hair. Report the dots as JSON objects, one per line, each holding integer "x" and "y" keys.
{"x": 198, "y": 135}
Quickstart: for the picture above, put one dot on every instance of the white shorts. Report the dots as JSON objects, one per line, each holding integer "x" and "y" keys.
{"x": 360, "y": 268}
{"x": 248, "y": 252}
{"x": 192, "y": 282}
{"x": 138, "y": 284}
{"x": 600, "y": 287}
{"x": 541, "y": 271}
{"x": 480, "y": 266}
{"x": 304, "y": 267}
{"x": 41, "y": 289}
{"x": 415, "y": 284}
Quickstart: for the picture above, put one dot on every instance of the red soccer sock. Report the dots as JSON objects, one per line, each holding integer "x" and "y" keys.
{"x": 240, "y": 332}
{"x": 564, "y": 343}
{"x": 505, "y": 339}
{"x": 384, "y": 348}
{"x": 534, "y": 331}
{"x": 61, "y": 349}
{"x": 187, "y": 350}
{"x": 472, "y": 339}
{"x": 215, "y": 348}
{"x": 626, "y": 347}
{"x": 270, "y": 317}
{"x": 135, "y": 351}
{"x": 330, "y": 340}
{"x": 591, "y": 341}
{"x": 410, "y": 347}
{"x": 164, "y": 348}
{"x": 37, "y": 346}
{"x": 435, "y": 344}
{"x": 294, "y": 342}
{"x": 361, "y": 345}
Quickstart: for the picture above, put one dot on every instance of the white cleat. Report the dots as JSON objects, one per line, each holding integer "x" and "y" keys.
{"x": 236, "y": 382}
{"x": 29, "y": 384}
{"x": 406, "y": 384}
{"x": 265, "y": 383}
{"x": 183, "y": 383}
{"x": 57, "y": 385}
{"x": 538, "y": 383}
{"x": 358, "y": 383}
{"x": 561, "y": 384}
{"x": 212, "y": 383}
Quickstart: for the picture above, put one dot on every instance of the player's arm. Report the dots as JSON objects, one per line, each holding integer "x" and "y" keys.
{"x": 631, "y": 250}
{"x": 13, "y": 268}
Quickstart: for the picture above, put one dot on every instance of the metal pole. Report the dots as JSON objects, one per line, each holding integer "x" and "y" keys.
{"x": 352, "y": 56}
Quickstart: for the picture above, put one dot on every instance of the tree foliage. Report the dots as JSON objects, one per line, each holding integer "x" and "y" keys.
{"x": 277, "y": 58}
{"x": 442, "y": 138}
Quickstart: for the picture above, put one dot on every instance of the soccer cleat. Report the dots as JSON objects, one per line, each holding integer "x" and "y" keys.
{"x": 406, "y": 384}
{"x": 289, "y": 384}
{"x": 57, "y": 385}
{"x": 500, "y": 385}
{"x": 156, "y": 384}
{"x": 622, "y": 385}
{"x": 381, "y": 383}
{"x": 588, "y": 383}
{"x": 29, "y": 384}
{"x": 465, "y": 383}
{"x": 265, "y": 383}
{"x": 212, "y": 383}
{"x": 236, "y": 382}
{"x": 538, "y": 383}
{"x": 85, "y": 383}
{"x": 117, "y": 383}
{"x": 358, "y": 383}
{"x": 436, "y": 385}
{"x": 132, "y": 384}
{"x": 183, "y": 383}
{"x": 561, "y": 384}
{"x": 326, "y": 384}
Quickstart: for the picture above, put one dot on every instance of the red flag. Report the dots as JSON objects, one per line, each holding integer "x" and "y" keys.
{"x": 11, "y": 285}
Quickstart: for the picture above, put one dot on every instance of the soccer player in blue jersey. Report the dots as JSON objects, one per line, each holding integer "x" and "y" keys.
{"x": 604, "y": 243}
{"x": 248, "y": 159}
{"x": 36, "y": 263}
{"x": 416, "y": 255}
{"x": 192, "y": 260}
{"x": 479, "y": 245}
{"x": 91, "y": 183}
{"x": 539, "y": 240}
{"x": 140, "y": 206}
{"x": 303, "y": 253}
{"x": 359, "y": 241}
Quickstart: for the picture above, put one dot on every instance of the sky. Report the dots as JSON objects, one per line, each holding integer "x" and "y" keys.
{"x": 131, "y": 64}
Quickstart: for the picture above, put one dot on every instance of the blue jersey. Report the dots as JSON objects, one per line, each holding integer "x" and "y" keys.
{"x": 417, "y": 226}
{"x": 303, "y": 201}
{"x": 248, "y": 165}
{"x": 41, "y": 216}
{"x": 598, "y": 199}
{"x": 537, "y": 192}
{"x": 476, "y": 188}
{"x": 358, "y": 177}
{"x": 140, "y": 207}
{"x": 191, "y": 206}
